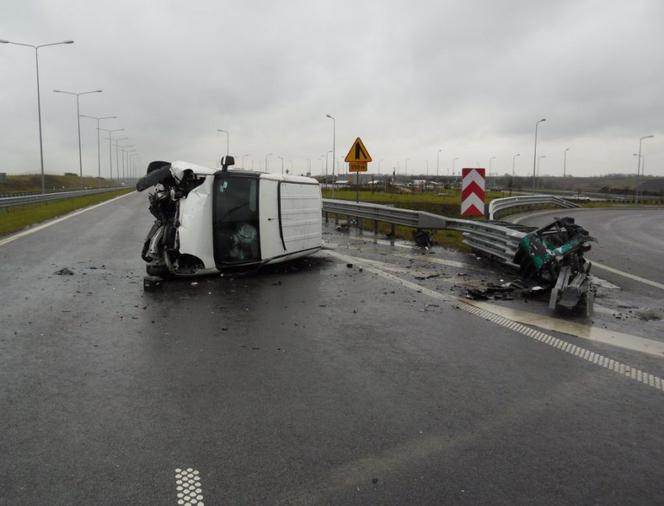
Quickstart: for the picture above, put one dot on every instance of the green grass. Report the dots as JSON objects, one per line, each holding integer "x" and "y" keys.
{"x": 13, "y": 219}
{"x": 32, "y": 183}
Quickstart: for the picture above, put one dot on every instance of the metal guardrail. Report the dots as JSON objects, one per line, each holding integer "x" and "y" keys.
{"x": 497, "y": 239}
{"x": 43, "y": 197}
{"x": 498, "y": 205}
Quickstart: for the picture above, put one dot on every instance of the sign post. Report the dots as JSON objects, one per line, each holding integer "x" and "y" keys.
{"x": 472, "y": 192}
{"x": 357, "y": 158}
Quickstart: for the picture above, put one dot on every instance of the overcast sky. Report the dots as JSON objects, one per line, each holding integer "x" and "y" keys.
{"x": 408, "y": 77}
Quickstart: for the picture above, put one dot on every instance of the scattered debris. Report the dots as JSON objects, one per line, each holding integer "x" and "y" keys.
{"x": 649, "y": 315}
{"x": 65, "y": 271}
{"x": 422, "y": 238}
{"x": 429, "y": 276}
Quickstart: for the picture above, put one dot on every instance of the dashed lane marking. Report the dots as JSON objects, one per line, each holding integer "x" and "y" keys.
{"x": 37, "y": 228}
{"x": 482, "y": 310}
{"x": 188, "y": 488}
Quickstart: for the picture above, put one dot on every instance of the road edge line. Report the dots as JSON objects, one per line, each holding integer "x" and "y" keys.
{"x": 55, "y": 221}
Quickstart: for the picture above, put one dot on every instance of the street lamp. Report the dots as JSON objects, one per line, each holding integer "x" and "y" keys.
{"x": 282, "y": 164}
{"x": 110, "y": 147}
{"x": 117, "y": 155}
{"x": 638, "y": 160}
{"x": 228, "y": 136}
{"x": 77, "y": 94}
{"x": 130, "y": 163}
{"x": 565, "y": 162}
{"x": 491, "y": 160}
{"x": 334, "y": 140}
{"x": 125, "y": 152}
{"x": 535, "y": 150}
{"x": 514, "y": 162}
{"x": 266, "y": 157}
{"x": 41, "y": 142}
{"x": 438, "y": 162}
{"x": 453, "y": 165}
{"x": 98, "y": 118}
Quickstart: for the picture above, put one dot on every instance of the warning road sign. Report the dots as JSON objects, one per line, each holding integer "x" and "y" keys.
{"x": 472, "y": 192}
{"x": 358, "y": 153}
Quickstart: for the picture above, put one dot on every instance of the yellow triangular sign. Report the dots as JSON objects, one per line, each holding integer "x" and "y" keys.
{"x": 358, "y": 153}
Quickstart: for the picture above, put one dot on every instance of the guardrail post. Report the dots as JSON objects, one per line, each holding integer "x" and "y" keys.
{"x": 392, "y": 232}
{"x": 375, "y": 229}
{"x": 327, "y": 217}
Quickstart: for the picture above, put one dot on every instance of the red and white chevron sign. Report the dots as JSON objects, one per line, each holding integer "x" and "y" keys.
{"x": 472, "y": 192}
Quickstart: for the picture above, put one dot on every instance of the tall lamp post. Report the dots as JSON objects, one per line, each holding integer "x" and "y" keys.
{"x": 98, "y": 118}
{"x": 41, "y": 143}
{"x": 638, "y": 160}
{"x": 514, "y": 162}
{"x": 334, "y": 153}
{"x": 110, "y": 148}
{"x": 282, "y": 164}
{"x": 565, "y": 162}
{"x": 535, "y": 150}
{"x": 228, "y": 137}
{"x": 491, "y": 160}
{"x": 117, "y": 155}
{"x": 77, "y": 94}
{"x": 266, "y": 157}
{"x": 438, "y": 162}
{"x": 125, "y": 153}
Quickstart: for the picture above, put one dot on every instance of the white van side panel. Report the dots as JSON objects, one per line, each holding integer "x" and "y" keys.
{"x": 268, "y": 208}
{"x": 301, "y": 216}
{"x": 195, "y": 230}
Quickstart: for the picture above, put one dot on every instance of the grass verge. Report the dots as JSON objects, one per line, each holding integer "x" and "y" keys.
{"x": 15, "y": 218}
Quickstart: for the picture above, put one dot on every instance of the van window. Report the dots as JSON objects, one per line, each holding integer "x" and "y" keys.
{"x": 235, "y": 220}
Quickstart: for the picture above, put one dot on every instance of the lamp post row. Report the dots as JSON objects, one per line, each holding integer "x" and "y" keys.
{"x": 36, "y": 47}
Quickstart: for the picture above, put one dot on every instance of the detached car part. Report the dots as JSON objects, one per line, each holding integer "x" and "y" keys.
{"x": 554, "y": 256}
{"x": 211, "y": 220}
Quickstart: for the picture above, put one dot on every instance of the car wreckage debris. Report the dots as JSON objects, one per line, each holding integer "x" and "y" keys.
{"x": 554, "y": 256}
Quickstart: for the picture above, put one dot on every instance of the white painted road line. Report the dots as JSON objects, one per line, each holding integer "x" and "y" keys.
{"x": 188, "y": 488}
{"x": 629, "y": 276}
{"x": 483, "y": 311}
{"x": 50, "y": 223}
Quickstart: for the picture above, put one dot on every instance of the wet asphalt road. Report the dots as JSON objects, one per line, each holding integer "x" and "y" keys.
{"x": 630, "y": 240}
{"x": 311, "y": 383}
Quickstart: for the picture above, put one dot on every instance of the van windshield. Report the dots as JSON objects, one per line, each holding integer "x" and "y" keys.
{"x": 235, "y": 220}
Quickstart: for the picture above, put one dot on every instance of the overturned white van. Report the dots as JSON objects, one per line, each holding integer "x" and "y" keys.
{"x": 211, "y": 220}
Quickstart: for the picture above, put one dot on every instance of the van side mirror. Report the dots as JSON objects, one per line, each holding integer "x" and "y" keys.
{"x": 227, "y": 161}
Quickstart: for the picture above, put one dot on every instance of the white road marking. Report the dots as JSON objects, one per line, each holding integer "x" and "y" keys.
{"x": 50, "y": 223}
{"x": 188, "y": 488}
{"x": 434, "y": 260}
{"x": 628, "y": 275}
{"x": 487, "y": 311}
